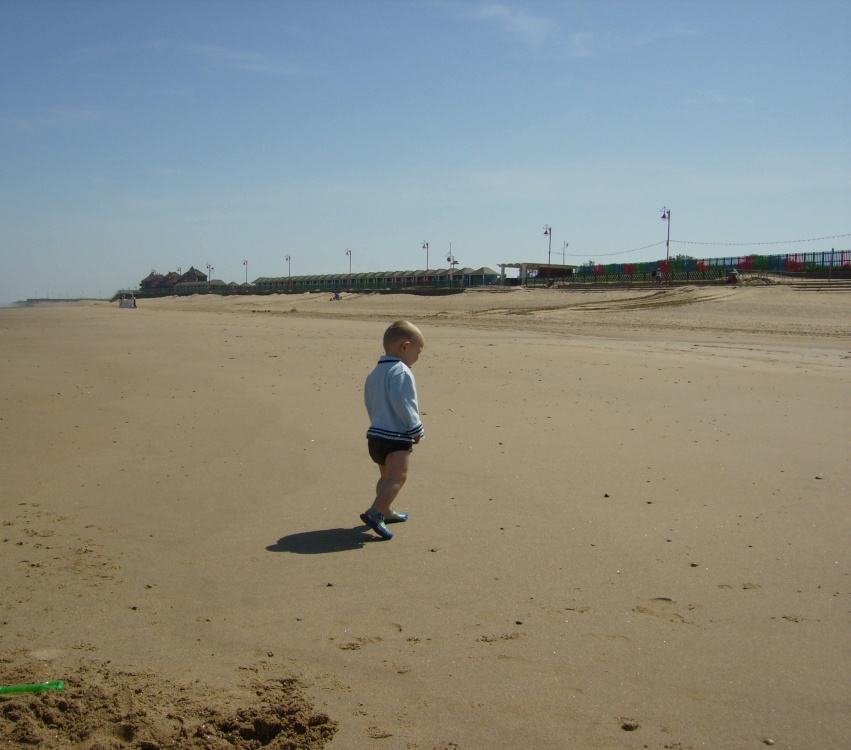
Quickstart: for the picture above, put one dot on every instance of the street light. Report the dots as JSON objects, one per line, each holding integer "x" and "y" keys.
{"x": 209, "y": 274}
{"x": 425, "y": 247}
{"x": 349, "y": 253}
{"x": 245, "y": 263}
{"x": 548, "y": 230}
{"x": 666, "y": 216}
{"x": 563, "y": 253}
{"x": 289, "y": 273}
{"x": 450, "y": 259}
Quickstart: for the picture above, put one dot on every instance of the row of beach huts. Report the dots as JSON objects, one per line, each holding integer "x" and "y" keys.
{"x": 194, "y": 281}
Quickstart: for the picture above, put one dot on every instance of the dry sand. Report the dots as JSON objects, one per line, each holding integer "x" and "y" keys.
{"x": 629, "y": 523}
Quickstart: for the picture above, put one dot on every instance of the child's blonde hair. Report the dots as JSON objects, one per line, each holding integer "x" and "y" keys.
{"x": 400, "y": 331}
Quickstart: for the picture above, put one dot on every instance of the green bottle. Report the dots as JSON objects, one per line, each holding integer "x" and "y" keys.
{"x": 33, "y": 687}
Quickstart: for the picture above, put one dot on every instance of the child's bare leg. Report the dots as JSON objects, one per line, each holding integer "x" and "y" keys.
{"x": 394, "y": 472}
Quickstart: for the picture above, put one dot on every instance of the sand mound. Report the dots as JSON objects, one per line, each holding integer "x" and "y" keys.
{"x": 106, "y": 709}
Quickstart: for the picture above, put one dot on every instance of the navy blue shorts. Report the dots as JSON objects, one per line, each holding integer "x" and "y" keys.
{"x": 379, "y": 448}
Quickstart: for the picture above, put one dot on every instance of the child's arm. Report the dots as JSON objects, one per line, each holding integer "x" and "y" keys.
{"x": 404, "y": 401}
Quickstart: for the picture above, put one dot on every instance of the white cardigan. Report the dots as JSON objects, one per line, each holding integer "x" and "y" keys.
{"x": 390, "y": 394}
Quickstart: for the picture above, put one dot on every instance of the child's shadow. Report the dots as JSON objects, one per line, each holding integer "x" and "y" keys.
{"x": 323, "y": 540}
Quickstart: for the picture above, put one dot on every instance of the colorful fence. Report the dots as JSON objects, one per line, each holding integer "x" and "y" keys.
{"x": 710, "y": 268}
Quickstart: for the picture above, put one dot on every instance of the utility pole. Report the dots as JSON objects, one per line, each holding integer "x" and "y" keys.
{"x": 666, "y": 216}
{"x": 349, "y": 253}
{"x": 548, "y": 230}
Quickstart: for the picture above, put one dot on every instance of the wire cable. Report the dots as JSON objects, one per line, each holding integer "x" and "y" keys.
{"x": 621, "y": 252}
{"x": 695, "y": 242}
{"x": 778, "y": 242}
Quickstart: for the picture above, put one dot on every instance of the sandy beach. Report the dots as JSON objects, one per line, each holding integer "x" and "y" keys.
{"x": 628, "y": 523}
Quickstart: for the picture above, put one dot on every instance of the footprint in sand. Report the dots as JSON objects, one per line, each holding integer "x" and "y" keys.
{"x": 745, "y": 586}
{"x": 664, "y": 607}
{"x": 358, "y": 643}
{"x": 495, "y": 638}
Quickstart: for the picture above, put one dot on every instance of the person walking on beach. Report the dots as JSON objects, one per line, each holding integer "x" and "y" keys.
{"x": 390, "y": 395}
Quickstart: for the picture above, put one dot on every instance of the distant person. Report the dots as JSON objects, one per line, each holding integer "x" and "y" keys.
{"x": 390, "y": 395}
{"x": 133, "y": 300}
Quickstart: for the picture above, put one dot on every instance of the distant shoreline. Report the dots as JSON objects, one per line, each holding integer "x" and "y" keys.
{"x": 40, "y": 300}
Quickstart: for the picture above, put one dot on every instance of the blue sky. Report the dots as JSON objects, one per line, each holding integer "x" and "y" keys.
{"x": 159, "y": 134}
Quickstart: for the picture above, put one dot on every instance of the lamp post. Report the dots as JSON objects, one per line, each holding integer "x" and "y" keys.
{"x": 209, "y": 274}
{"x": 450, "y": 259}
{"x": 425, "y": 247}
{"x": 289, "y": 273}
{"x": 245, "y": 263}
{"x": 349, "y": 253}
{"x": 666, "y": 216}
{"x": 548, "y": 230}
{"x": 563, "y": 253}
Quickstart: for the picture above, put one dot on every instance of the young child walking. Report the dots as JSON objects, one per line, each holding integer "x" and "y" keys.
{"x": 390, "y": 394}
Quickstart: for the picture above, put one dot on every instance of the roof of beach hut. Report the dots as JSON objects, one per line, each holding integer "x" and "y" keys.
{"x": 193, "y": 274}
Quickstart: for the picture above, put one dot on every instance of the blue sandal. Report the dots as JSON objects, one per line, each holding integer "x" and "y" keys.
{"x": 375, "y": 521}
{"x": 395, "y": 516}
